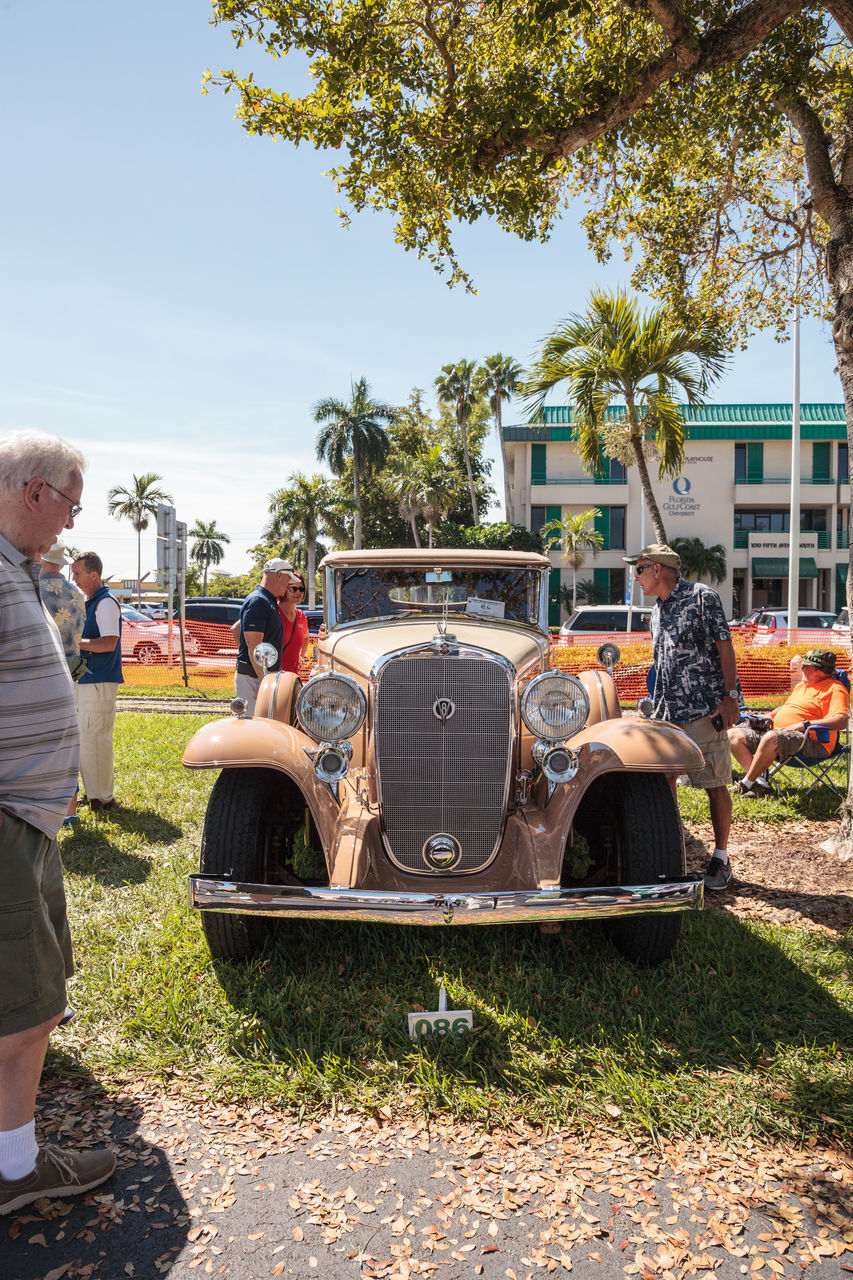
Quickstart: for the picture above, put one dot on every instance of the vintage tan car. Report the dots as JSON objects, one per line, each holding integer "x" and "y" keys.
{"x": 437, "y": 769}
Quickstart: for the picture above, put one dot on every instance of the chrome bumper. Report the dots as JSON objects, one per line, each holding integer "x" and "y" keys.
{"x": 210, "y": 894}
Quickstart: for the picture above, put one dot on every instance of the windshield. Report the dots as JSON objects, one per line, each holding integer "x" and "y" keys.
{"x": 133, "y": 615}
{"x": 494, "y": 593}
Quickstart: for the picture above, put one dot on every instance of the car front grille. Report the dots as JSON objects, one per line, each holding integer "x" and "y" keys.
{"x": 442, "y": 776}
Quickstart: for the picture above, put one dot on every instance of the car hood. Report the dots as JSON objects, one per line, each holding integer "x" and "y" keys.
{"x": 357, "y": 649}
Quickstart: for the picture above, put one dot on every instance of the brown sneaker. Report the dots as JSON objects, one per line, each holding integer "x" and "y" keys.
{"x": 57, "y": 1173}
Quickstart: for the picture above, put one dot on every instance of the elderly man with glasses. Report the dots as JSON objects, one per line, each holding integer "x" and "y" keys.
{"x": 41, "y": 480}
{"x": 695, "y": 684}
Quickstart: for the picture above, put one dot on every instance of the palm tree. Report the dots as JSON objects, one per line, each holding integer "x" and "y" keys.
{"x": 699, "y": 561}
{"x": 137, "y": 504}
{"x": 615, "y": 350}
{"x": 575, "y": 538}
{"x": 500, "y": 377}
{"x": 353, "y": 431}
{"x": 208, "y": 547}
{"x": 438, "y": 487}
{"x": 588, "y": 592}
{"x": 459, "y": 388}
{"x": 404, "y": 482}
{"x": 300, "y": 512}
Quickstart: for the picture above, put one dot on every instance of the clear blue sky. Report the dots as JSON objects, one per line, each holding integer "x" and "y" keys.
{"x": 177, "y": 294}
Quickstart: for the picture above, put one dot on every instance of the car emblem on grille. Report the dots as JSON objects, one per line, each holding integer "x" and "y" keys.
{"x": 444, "y": 709}
{"x": 442, "y": 852}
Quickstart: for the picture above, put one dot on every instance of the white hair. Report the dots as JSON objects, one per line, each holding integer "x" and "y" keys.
{"x": 25, "y": 455}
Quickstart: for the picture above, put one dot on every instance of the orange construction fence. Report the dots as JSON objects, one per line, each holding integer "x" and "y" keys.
{"x": 764, "y": 662}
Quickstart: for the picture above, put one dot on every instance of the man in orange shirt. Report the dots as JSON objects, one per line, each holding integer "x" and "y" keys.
{"x": 820, "y": 700}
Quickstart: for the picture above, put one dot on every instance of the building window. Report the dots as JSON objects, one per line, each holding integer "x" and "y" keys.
{"x": 617, "y": 528}
{"x": 812, "y": 520}
{"x": 843, "y": 472}
{"x": 821, "y": 460}
{"x": 537, "y": 519}
{"x": 617, "y": 469}
{"x": 749, "y": 462}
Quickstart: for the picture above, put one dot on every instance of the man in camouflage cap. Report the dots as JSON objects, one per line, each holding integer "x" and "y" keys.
{"x": 819, "y": 701}
{"x": 695, "y": 682}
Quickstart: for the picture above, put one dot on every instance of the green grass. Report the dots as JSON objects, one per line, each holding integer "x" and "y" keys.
{"x": 748, "y": 1030}
{"x": 177, "y": 691}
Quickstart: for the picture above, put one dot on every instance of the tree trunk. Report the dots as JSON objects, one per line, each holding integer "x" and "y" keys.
{"x": 648, "y": 494}
{"x": 415, "y": 533}
{"x": 841, "y": 843}
{"x": 510, "y": 515}
{"x": 312, "y": 572}
{"x": 138, "y": 568}
{"x": 356, "y": 495}
{"x": 574, "y": 588}
{"x": 206, "y": 567}
{"x": 463, "y": 430}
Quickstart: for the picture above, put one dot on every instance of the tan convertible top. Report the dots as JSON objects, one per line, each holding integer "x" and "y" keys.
{"x": 443, "y": 557}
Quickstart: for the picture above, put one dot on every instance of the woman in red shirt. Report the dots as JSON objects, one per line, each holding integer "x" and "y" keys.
{"x": 295, "y": 640}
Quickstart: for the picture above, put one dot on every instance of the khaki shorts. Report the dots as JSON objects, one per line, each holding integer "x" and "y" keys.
{"x": 789, "y": 742}
{"x": 714, "y": 745}
{"x": 35, "y": 942}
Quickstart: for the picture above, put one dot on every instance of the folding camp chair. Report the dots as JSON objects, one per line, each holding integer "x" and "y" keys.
{"x": 818, "y": 771}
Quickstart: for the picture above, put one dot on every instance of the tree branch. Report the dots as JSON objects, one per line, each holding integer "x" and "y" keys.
{"x": 669, "y": 16}
{"x": 842, "y": 12}
{"x": 719, "y": 46}
{"x": 826, "y": 197}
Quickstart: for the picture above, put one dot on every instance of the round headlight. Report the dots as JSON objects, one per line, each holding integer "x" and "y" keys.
{"x": 554, "y": 706}
{"x": 331, "y": 708}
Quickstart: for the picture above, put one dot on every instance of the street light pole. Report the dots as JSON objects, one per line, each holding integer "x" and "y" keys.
{"x": 794, "y": 522}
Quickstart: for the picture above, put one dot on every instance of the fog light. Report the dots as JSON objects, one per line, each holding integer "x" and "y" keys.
{"x": 331, "y": 760}
{"x": 557, "y": 761}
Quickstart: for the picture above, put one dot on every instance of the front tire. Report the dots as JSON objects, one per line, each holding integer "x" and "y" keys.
{"x": 252, "y": 818}
{"x": 651, "y": 845}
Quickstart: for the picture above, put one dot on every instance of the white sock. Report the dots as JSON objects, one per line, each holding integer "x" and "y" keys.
{"x": 18, "y": 1151}
{"x": 722, "y": 854}
{"x": 762, "y": 777}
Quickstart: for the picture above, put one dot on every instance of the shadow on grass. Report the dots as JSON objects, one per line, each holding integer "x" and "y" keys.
{"x": 555, "y": 1015}
{"x": 92, "y": 854}
{"x": 139, "y": 1213}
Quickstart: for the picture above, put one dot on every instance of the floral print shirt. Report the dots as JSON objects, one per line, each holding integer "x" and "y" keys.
{"x": 67, "y": 607}
{"x": 685, "y": 628}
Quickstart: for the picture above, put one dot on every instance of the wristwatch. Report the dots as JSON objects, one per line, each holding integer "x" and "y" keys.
{"x": 732, "y": 693}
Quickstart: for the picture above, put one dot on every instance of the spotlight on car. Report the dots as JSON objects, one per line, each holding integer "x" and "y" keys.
{"x": 645, "y": 707}
{"x": 265, "y": 655}
{"x": 557, "y": 761}
{"x": 237, "y": 706}
{"x": 608, "y": 655}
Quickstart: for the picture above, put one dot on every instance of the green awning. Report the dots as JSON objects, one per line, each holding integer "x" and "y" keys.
{"x": 777, "y": 567}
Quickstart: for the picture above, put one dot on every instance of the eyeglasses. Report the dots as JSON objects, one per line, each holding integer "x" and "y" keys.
{"x": 75, "y": 506}
{"x": 297, "y": 591}
{"x": 641, "y": 568}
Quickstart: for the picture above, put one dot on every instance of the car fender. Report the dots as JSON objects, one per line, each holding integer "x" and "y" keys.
{"x": 268, "y": 744}
{"x": 648, "y": 745}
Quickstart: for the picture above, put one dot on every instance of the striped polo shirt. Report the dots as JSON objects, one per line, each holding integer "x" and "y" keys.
{"x": 39, "y": 737}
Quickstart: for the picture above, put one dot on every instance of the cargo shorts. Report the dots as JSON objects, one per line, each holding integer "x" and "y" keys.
{"x": 714, "y": 745}
{"x": 35, "y": 941}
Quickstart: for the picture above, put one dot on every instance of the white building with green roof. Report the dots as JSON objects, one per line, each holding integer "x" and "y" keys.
{"x": 734, "y": 488}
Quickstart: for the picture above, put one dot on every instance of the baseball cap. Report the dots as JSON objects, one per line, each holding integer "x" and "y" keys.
{"x": 278, "y": 566}
{"x": 658, "y": 553}
{"x": 823, "y": 659}
{"x": 56, "y": 555}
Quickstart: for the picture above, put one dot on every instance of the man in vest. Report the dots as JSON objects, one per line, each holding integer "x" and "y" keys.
{"x": 97, "y": 690}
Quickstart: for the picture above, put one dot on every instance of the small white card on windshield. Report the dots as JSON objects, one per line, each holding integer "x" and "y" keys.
{"x": 485, "y": 608}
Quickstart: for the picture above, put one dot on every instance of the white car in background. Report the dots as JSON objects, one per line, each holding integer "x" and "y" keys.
{"x": 150, "y": 642}
{"x": 771, "y": 627}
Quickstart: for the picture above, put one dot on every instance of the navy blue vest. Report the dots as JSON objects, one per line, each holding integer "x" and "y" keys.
{"x": 104, "y": 668}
